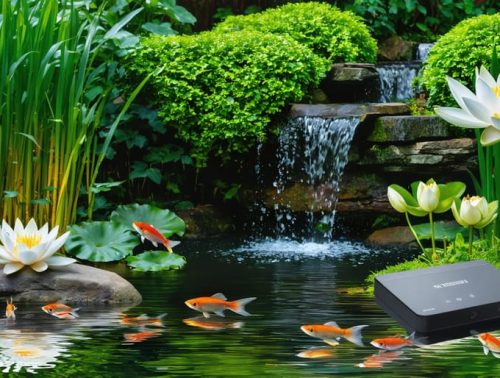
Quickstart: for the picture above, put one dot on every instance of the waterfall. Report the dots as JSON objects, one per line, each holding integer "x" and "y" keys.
{"x": 423, "y": 50}
{"x": 311, "y": 158}
{"x": 396, "y": 81}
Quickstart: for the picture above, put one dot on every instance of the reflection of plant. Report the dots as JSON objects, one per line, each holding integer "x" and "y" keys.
{"x": 30, "y": 246}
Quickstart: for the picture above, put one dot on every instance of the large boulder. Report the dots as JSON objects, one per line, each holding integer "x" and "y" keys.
{"x": 74, "y": 284}
{"x": 396, "y": 48}
{"x": 391, "y": 236}
{"x": 409, "y": 128}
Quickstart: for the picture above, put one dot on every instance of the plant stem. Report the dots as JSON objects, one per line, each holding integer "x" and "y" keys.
{"x": 471, "y": 236}
{"x": 433, "y": 240}
{"x": 414, "y": 233}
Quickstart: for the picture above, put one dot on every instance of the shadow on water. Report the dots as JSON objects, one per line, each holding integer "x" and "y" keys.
{"x": 295, "y": 284}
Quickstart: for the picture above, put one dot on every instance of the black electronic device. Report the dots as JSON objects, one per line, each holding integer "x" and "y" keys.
{"x": 441, "y": 297}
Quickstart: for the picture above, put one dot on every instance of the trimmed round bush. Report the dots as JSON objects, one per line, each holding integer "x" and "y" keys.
{"x": 339, "y": 36}
{"x": 219, "y": 90}
{"x": 468, "y": 45}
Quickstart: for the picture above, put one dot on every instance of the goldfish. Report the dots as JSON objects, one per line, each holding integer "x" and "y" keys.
{"x": 149, "y": 232}
{"x": 61, "y": 311}
{"x": 139, "y": 337}
{"x": 142, "y": 320}
{"x": 378, "y": 360}
{"x": 212, "y": 325}
{"x": 490, "y": 344}
{"x": 217, "y": 304}
{"x": 393, "y": 343}
{"x": 316, "y": 353}
{"x": 330, "y": 333}
{"x": 10, "y": 309}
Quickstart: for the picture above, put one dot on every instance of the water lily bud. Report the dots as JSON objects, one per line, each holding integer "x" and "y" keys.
{"x": 396, "y": 200}
{"x": 474, "y": 211}
{"x": 428, "y": 195}
{"x": 469, "y": 211}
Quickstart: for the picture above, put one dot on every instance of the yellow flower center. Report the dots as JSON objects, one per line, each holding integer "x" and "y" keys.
{"x": 27, "y": 352}
{"x": 496, "y": 115}
{"x": 29, "y": 241}
{"x": 496, "y": 90}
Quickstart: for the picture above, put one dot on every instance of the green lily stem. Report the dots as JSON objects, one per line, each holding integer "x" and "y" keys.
{"x": 471, "y": 236}
{"x": 414, "y": 233}
{"x": 433, "y": 240}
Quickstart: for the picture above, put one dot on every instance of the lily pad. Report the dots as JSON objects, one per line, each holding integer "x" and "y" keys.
{"x": 164, "y": 221}
{"x": 100, "y": 241}
{"x": 153, "y": 261}
{"x": 442, "y": 230}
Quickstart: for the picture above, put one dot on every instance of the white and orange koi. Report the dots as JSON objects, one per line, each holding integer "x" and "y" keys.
{"x": 217, "y": 304}
{"x": 61, "y": 311}
{"x": 150, "y": 233}
{"x": 330, "y": 333}
{"x": 490, "y": 344}
{"x": 393, "y": 343}
{"x": 10, "y": 310}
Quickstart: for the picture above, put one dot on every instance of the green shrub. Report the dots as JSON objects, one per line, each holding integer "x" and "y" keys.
{"x": 456, "y": 54}
{"x": 338, "y": 36}
{"x": 219, "y": 90}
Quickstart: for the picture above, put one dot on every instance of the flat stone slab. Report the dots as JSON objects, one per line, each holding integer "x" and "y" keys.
{"x": 409, "y": 129}
{"x": 347, "y": 110}
{"x": 74, "y": 284}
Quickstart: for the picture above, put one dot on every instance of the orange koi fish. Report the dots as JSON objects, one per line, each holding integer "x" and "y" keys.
{"x": 393, "y": 343}
{"x": 143, "y": 320}
{"x": 378, "y": 360}
{"x": 10, "y": 309}
{"x": 217, "y": 304}
{"x": 141, "y": 336}
{"x": 316, "y": 353}
{"x": 330, "y": 333}
{"x": 149, "y": 232}
{"x": 61, "y": 311}
{"x": 490, "y": 344}
{"x": 212, "y": 325}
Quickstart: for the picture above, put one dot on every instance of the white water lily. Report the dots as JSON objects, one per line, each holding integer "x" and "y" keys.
{"x": 474, "y": 211}
{"x": 30, "y": 246}
{"x": 428, "y": 195}
{"x": 479, "y": 110}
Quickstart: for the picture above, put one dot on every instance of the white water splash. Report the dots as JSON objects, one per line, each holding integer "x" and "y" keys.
{"x": 423, "y": 51}
{"x": 396, "y": 81}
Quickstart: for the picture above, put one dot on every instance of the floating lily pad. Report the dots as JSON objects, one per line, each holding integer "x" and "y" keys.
{"x": 100, "y": 241}
{"x": 164, "y": 220}
{"x": 442, "y": 230}
{"x": 153, "y": 261}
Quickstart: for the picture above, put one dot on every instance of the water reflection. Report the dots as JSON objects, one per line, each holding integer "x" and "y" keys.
{"x": 317, "y": 352}
{"x": 139, "y": 337}
{"x": 213, "y": 323}
{"x": 378, "y": 360}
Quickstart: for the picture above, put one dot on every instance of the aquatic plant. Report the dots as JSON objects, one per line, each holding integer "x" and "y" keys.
{"x": 31, "y": 246}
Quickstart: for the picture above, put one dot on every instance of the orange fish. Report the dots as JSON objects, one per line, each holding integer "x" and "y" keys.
{"x": 213, "y": 325}
{"x": 378, "y": 360}
{"x": 393, "y": 343}
{"x": 149, "y": 232}
{"x": 217, "y": 304}
{"x": 141, "y": 336}
{"x": 142, "y": 320}
{"x": 61, "y": 311}
{"x": 490, "y": 344}
{"x": 10, "y": 309}
{"x": 316, "y": 353}
{"x": 330, "y": 333}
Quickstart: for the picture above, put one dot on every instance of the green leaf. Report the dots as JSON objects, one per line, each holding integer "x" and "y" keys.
{"x": 442, "y": 230}
{"x": 164, "y": 221}
{"x": 100, "y": 241}
{"x": 40, "y": 201}
{"x": 10, "y": 193}
{"x": 153, "y": 261}
{"x": 141, "y": 170}
{"x": 99, "y": 187}
{"x": 120, "y": 24}
{"x": 447, "y": 193}
{"x": 165, "y": 28}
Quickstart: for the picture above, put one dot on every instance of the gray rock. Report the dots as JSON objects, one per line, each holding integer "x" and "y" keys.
{"x": 409, "y": 129}
{"x": 346, "y": 110}
{"x": 395, "y": 48}
{"x": 74, "y": 284}
{"x": 391, "y": 236}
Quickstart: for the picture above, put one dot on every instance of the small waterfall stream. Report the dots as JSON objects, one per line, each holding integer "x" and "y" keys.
{"x": 311, "y": 158}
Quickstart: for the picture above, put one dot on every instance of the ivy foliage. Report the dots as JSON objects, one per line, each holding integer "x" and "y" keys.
{"x": 219, "y": 90}
{"x": 457, "y": 53}
{"x": 339, "y": 36}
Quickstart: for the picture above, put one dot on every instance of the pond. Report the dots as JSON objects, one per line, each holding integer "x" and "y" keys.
{"x": 294, "y": 283}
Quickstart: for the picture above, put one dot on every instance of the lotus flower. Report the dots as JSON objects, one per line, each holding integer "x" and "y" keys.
{"x": 428, "y": 195}
{"x": 31, "y": 247}
{"x": 474, "y": 211}
{"x": 480, "y": 110}
{"x": 396, "y": 200}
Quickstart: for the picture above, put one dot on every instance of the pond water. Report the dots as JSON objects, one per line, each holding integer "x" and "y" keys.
{"x": 295, "y": 284}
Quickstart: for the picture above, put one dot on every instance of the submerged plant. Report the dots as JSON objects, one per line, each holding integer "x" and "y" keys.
{"x": 30, "y": 246}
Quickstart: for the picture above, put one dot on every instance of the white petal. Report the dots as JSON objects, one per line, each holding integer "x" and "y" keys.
{"x": 490, "y": 136}
{"x": 51, "y": 236}
{"x": 18, "y": 227}
{"x": 27, "y": 256}
{"x": 459, "y": 117}
{"x": 6, "y": 227}
{"x": 5, "y": 254}
{"x": 495, "y": 122}
{"x": 39, "y": 266}
{"x": 486, "y": 76}
{"x": 486, "y": 96}
{"x": 55, "y": 245}
{"x": 12, "y": 267}
{"x": 7, "y": 236}
{"x": 478, "y": 110}
{"x": 59, "y": 261}
{"x": 44, "y": 231}
{"x": 459, "y": 91}
{"x": 31, "y": 227}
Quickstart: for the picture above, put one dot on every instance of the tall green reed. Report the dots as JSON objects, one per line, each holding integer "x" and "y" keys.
{"x": 52, "y": 97}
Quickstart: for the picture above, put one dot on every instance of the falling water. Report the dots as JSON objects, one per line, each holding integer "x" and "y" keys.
{"x": 423, "y": 50}
{"x": 396, "y": 81}
{"x": 312, "y": 155}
